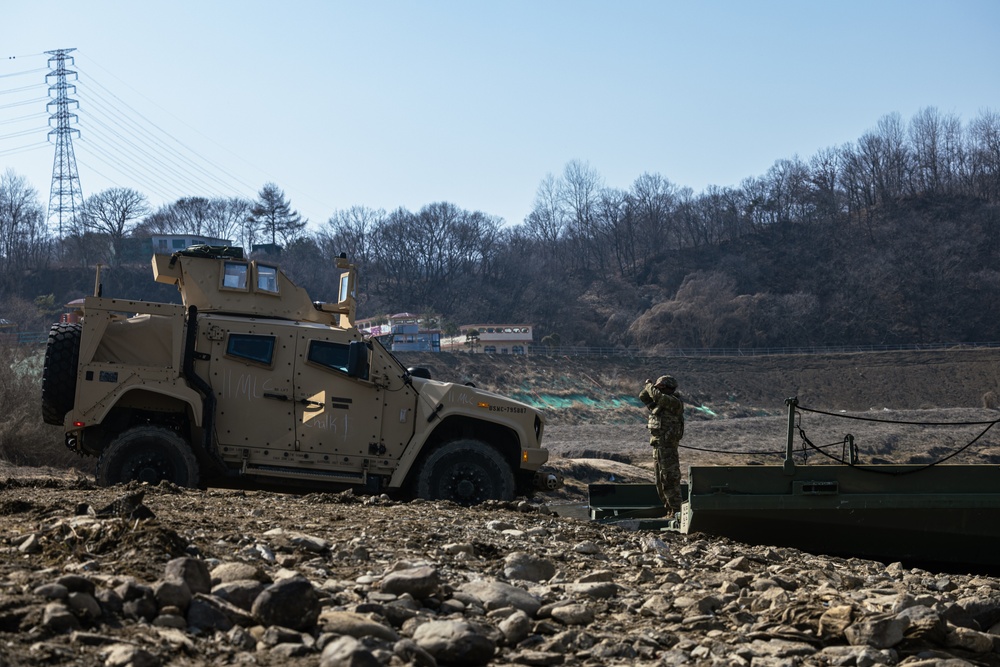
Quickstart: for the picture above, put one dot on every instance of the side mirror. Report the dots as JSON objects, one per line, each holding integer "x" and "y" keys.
{"x": 357, "y": 360}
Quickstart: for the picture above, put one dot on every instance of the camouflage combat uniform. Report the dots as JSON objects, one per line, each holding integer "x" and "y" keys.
{"x": 666, "y": 428}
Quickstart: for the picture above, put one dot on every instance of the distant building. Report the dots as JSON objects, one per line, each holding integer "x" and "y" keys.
{"x": 138, "y": 249}
{"x": 491, "y": 339}
{"x": 407, "y": 332}
{"x": 402, "y": 332}
{"x": 272, "y": 249}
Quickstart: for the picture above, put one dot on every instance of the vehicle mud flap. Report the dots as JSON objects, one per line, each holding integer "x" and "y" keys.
{"x": 209, "y": 450}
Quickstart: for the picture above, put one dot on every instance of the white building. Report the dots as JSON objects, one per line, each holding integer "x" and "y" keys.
{"x": 167, "y": 243}
{"x": 491, "y": 339}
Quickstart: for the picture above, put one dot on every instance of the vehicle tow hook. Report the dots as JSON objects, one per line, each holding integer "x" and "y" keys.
{"x": 546, "y": 480}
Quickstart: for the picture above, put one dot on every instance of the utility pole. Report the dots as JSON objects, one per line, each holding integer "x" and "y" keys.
{"x": 65, "y": 195}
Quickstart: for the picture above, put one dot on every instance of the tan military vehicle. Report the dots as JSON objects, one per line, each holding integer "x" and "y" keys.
{"x": 251, "y": 382}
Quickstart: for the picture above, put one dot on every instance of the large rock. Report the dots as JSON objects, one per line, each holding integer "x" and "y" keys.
{"x": 173, "y": 593}
{"x": 291, "y": 603}
{"x": 878, "y": 632}
{"x": 224, "y": 573}
{"x": 420, "y": 582}
{"x": 455, "y": 643}
{"x": 355, "y": 625}
{"x": 347, "y": 651}
{"x": 496, "y": 594}
{"x": 515, "y": 627}
{"x": 192, "y": 571}
{"x": 208, "y": 612}
{"x": 521, "y": 565}
{"x": 241, "y": 592}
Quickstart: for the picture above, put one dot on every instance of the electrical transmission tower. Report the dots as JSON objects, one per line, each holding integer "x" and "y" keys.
{"x": 65, "y": 195}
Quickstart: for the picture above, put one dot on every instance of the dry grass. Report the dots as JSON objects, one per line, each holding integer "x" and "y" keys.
{"x": 25, "y": 439}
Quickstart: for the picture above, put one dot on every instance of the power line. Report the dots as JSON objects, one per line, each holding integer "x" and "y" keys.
{"x": 180, "y": 120}
{"x": 217, "y": 168}
{"x": 25, "y": 72}
{"x": 22, "y": 133}
{"x": 166, "y": 141}
{"x": 21, "y": 119}
{"x": 115, "y": 135}
{"x": 22, "y": 88}
{"x": 151, "y": 142}
{"x": 24, "y": 149}
{"x": 34, "y": 100}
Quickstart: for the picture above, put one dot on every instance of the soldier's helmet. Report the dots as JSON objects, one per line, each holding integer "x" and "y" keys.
{"x": 666, "y": 381}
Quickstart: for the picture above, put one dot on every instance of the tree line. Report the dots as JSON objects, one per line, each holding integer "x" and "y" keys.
{"x": 892, "y": 238}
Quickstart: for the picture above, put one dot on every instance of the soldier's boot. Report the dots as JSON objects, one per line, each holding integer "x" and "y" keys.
{"x": 674, "y": 505}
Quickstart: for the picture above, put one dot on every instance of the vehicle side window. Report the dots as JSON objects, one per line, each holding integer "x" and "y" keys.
{"x": 234, "y": 276}
{"x": 331, "y": 355}
{"x": 253, "y": 348}
{"x": 267, "y": 279}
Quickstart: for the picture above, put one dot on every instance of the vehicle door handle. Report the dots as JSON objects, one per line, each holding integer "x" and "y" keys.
{"x": 304, "y": 401}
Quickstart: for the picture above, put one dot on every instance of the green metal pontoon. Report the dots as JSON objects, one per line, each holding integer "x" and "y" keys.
{"x": 921, "y": 514}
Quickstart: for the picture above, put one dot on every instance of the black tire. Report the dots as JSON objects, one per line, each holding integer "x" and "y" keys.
{"x": 62, "y": 355}
{"x": 466, "y": 472}
{"x": 148, "y": 454}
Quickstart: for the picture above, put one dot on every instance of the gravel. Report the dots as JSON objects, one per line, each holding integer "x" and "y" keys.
{"x": 137, "y": 576}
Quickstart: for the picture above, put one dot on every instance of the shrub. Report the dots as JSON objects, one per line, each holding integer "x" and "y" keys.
{"x": 991, "y": 401}
{"x": 26, "y": 440}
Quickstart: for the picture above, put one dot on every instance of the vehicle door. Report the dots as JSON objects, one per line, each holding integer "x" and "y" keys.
{"x": 337, "y": 417}
{"x": 251, "y": 368}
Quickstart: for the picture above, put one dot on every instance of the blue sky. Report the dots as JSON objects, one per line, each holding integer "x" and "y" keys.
{"x": 388, "y": 104}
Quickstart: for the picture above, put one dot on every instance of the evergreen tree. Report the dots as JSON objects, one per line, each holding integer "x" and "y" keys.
{"x": 273, "y": 214}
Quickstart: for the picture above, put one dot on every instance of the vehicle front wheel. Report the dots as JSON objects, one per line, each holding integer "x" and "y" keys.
{"x": 148, "y": 454}
{"x": 466, "y": 472}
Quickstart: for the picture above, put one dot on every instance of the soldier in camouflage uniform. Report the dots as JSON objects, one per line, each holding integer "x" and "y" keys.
{"x": 666, "y": 428}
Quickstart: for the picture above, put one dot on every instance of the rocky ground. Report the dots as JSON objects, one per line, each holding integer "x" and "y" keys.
{"x": 145, "y": 576}
{"x": 161, "y": 575}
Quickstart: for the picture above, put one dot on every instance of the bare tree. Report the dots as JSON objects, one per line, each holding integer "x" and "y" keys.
{"x": 547, "y": 221}
{"x": 24, "y": 241}
{"x": 350, "y": 231}
{"x": 220, "y": 218}
{"x": 984, "y": 156}
{"x": 788, "y": 199}
{"x": 824, "y": 176}
{"x": 926, "y": 130}
{"x": 113, "y": 213}
{"x": 229, "y": 219}
{"x": 615, "y": 215}
{"x": 655, "y": 200}
{"x": 580, "y": 191}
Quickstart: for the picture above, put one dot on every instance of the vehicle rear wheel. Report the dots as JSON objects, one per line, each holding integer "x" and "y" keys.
{"x": 466, "y": 472}
{"x": 148, "y": 454}
{"x": 62, "y": 354}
